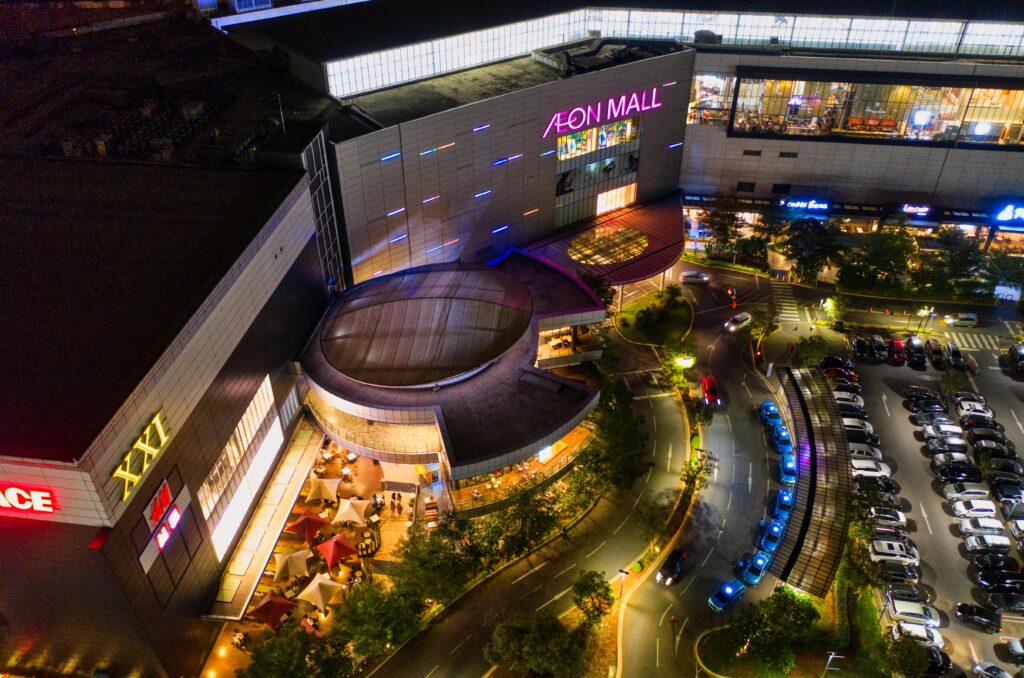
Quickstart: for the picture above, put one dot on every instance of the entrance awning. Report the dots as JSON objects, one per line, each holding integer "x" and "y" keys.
{"x": 250, "y": 557}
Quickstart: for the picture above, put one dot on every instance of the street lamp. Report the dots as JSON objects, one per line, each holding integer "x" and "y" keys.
{"x": 828, "y": 664}
{"x": 685, "y": 361}
{"x": 622, "y": 580}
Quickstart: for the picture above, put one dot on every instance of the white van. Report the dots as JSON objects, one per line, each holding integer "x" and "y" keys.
{"x": 976, "y": 508}
{"x": 862, "y": 451}
{"x": 965, "y": 491}
{"x": 858, "y": 424}
{"x": 970, "y": 527}
{"x": 987, "y": 543}
{"x": 962, "y": 320}
{"x": 915, "y": 613}
{"x": 893, "y": 551}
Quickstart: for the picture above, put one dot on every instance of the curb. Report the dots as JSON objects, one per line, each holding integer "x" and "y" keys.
{"x": 694, "y": 260}
{"x": 696, "y": 655}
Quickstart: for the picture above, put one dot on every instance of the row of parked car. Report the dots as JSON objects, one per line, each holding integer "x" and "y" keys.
{"x": 750, "y": 570}
{"x": 910, "y": 351}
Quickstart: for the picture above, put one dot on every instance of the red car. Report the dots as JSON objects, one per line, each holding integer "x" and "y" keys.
{"x": 709, "y": 387}
{"x": 897, "y": 351}
{"x": 840, "y": 373}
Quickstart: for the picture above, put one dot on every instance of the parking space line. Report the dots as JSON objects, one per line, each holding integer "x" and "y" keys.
{"x": 925, "y": 516}
{"x": 596, "y": 549}
{"x": 664, "y": 614}
{"x": 679, "y": 636}
{"x": 1017, "y": 420}
{"x": 707, "y": 557}
{"x": 974, "y": 653}
{"x": 729, "y": 422}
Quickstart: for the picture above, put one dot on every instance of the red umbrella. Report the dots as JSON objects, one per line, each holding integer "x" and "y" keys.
{"x": 271, "y": 609}
{"x": 336, "y": 548}
{"x": 307, "y": 526}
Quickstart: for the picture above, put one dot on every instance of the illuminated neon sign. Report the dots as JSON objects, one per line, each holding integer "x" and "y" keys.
{"x": 27, "y": 499}
{"x": 802, "y": 204}
{"x": 164, "y": 533}
{"x": 916, "y": 210}
{"x": 593, "y": 114}
{"x": 137, "y": 460}
{"x": 1011, "y": 213}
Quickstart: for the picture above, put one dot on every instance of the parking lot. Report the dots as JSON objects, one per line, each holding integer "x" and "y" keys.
{"x": 945, "y": 569}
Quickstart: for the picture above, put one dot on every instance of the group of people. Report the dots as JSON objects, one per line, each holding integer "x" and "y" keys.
{"x": 395, "y": 505}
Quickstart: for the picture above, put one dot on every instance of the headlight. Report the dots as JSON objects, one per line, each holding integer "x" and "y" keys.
{"x": 668, "y": 582}
{"x": 658, "y": 577}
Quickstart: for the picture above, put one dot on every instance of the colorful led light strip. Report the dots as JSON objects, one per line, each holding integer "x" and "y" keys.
{"x": 533, "y": 211}
{"x": 547, "y": 152}
{"x": 379, "y": 272}
{"x": 676, "y": 144}
{"x": 499, "y": 229}
{"x": 394, "y": 212}
{"x": 431, "y": 199}
{"x": 669, "y": 84}
{"x": 499, "y": 161}
{"x": 429, "y": 151}
{"x": 448, "y": 145}
{"x": 399, "y": 238}
{"x": 482, "y": 193}
{"x": 390, "y": 156}
{"x": 434, "y": 249}
{"x": 481, "y": 128}
{"x": 451, "y": 242}
{"x": 515, "y": 157}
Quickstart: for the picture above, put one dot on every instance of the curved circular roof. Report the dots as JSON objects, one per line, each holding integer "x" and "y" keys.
{"x": 425, "y": 325}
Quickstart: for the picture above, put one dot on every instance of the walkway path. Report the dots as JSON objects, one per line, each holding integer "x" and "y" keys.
{"x": 785, "y": 302}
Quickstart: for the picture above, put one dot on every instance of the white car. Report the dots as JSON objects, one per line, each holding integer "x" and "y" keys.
{"x": 887, "y": 517}
{"x": 974, "y": 509}
{"x": 1016, "y": 529}
{"x": 883, "y": 550}
{"x": 965, "y": 491}
{"x": 922, "y": 634}
{"x": 944, "y": 458}
{"x": 962, "y": 319}
{"x": 844, "y": 397}
{"x": 859, "y": 424}
{"x": 987, "y": 543}
{"x": 990, "y": 670}
{"x": 942, "y": 431}
{"x": 965, "y": 407}
{"x": 869, "y": 468}
{"x": 737, "y": 321}
{"x": 970, "y": 527}
{"x": 693, "y": 277}
{"x": 915, "y": 613}
{"x": 862, "y": 451}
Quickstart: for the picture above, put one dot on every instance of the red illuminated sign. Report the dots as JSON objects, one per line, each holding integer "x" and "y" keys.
{"x": 164, "y": 533}
{"x": 158, "y": 505}
{"x": 28, "y": 499}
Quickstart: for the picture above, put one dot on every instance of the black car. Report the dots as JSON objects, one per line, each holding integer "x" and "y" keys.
{"x": 917, "y": 356}
{"x": 909, "y": 593}
{"x": 847, "y": 410}
{"x": 959, "y": 472}
{"x": 926, "y": 405}
{"x": 993, "y": 450}
{"x": 982, "y": 617}
{"x": 954, "y": 357}
{"x": 846, "y": 387}
{"x": 999, "y": 581}
{"x": 835, "y": 361}
{"x": 939, "y": 663}
{"x": 1015, "y": 356}
{"x": 1007, "y": 602}
{"x": 863, "y": 485}
{"x": 901, "y": 573}
{"x": 968, "y": 395}
{"x": 885, "y": 533}
{"x": 854, "y": 435}
{"x": 977, "y": 433}
{"x": 945, "y": 444}
{"x": 1007, "y": 490}
{"x": 996, "y": 561}
{"x": 926, "y": 418}
{"x": 672, "y": 567}
{"x": 934, "y": 349}
{"x": 861, "y": 347}
{"x": 879, "y": 348}
{"x": 913, "y": 392}
{"x": 1007, "y": 467}
{"x": 971, "y": 421}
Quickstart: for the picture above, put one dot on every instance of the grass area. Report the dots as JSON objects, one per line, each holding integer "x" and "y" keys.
{"x": 668, "y": 331}
{"x": 868, "y": 653}
{"x": 704, "y": 261}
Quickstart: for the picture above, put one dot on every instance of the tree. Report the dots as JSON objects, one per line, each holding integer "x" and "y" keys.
{"x": 952, "y": 381}
{"x": 723, "y": 223}
{"x": 698, "y": 412}
{"x": 811, "y": 245}
{"x": 280, "y": 654}
{"x": 762, "y": 321}
{"x": 963, "y": 260}
{"x": 329, "y": 656}
{"x": 604, "y": 291}
{"x": 540, "y": 645}
{"x": 620, "y": 443}
{"x": 525, "y": 522}
{"x": 810, "y": 350}
{"x": 673, "y": 295}
{"x": 376, "y": 618}
{"x": 905, "y": 655}
{"x": 1002, "y": 268}
{"x": 697, "y": 470}
{"x": 506, "y": 647}
{"x": 592, "y": 595}
{"x": 772, "y": 626}
{"x": 652, "y": 513}
{"x": 430, "y": 566}
{"x": 882, "y": 259}
{"x": 863, "y": 571}
{"x": 772, "y": 222}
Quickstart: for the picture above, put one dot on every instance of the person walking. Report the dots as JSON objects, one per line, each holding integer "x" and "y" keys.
{"x": 392, "y": 507}
{"x": 399, "y": 507}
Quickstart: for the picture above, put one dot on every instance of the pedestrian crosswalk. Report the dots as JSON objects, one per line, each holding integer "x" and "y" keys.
{"x": 785, "y": 302}
{"x": 980, "y": 340}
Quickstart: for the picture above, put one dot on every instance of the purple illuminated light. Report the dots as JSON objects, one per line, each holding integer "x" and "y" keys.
{"x": 602, "y": 111}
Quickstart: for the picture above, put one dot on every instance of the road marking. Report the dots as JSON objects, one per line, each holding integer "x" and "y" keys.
{"x": 732, "y": 441}
{"x": 616, "y": 530}
{"x": 704, "y": 562}
{"x": 657, "y": 652}
{"x": 557, "y": 596}
{"x": 729, "y": 422}
{"x": 668, "y": 464}
{"x": 715, "y": 474}
{"x": 995, "y": 356}
{"x": 750, "y": 476}
{"x": 749, "y": 394}
{"x": 662, "y": 620}
{"x": 729, "y": 503}
{"x": 997, "y": 367}
{"x": 885, "y": 404}
{"x": 565, "y": 570}
{"x": 637, "y": 501}
{"x": 683, "y": 592}
{"x": 1012, "y": 618}
{"x": 723, "y": 524}
{"x": 680, "y": 636}
{"x": 974, "y": 653}
{"x": 530, "y": 572}
{"x": 654, "y": 422}
{"x": 597, "y": 549}
{"x": 531, "y": 592}
{"x": 1017, "y": 420}
{"x": 649, "y": 472}
{"x": 456, "y": 648}
{"x": 432, "y": 671}
{"x": 925, "y": 516}
{"x": 733, "y": 474}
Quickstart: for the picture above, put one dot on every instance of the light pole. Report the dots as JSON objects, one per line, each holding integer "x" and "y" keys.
{"x": 828, "y": 664}
{"x": 622, "y": 580}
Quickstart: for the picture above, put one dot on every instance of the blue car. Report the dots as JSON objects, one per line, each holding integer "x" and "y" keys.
{"x": 769, "y": 413}
{"x": 727, "y": 595}
{"x": 771, "y": 536}
{"x": 784, "y": 504}
{"x": 751, "y": 570}
{"x": 787, "y": 468}
{"x": 781, "y": 438}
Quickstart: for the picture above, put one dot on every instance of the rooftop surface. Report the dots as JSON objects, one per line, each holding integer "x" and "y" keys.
{"x": 103, "y": 264}
{"x": 383, "y": 24}
{"x": 425, "y": 325}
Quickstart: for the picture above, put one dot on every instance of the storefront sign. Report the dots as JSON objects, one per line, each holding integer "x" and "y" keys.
{"x": 803, "y": 204}
{"x": 164, "y": 533}
{"x": 1011, "y": 212}
{"x": 26, "y": 499}
{"x": 136, "y": 462}
{"x": 916, "y": 210}
{"x": 596, "y": 113}
{"x": 166, "y": 527}
{"x": 158, "y": 506}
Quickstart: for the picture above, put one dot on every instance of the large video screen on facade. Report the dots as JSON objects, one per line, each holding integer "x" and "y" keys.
{"x": 595, "y": 138}
{"x": 879, "y": 111}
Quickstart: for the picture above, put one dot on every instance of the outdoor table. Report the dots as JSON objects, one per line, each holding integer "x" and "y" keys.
{"x": 374, "y": 519}
{"x": 351, "y": 458}
{"x": 346, "y": 472}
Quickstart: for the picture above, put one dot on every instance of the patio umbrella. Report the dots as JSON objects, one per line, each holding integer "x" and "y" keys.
{"x": 291, "y": 564}
{"x": 323, "y": 488}
{"x": 336, "y": 548}
{"x": 271, "y": 609}
{"x": 320, "y": 591}
{"x": 307, "y": 526}
{"x": 352, "y": 511}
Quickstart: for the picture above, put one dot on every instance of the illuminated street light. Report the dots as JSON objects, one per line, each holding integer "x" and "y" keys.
{"x": 685, "y": 361}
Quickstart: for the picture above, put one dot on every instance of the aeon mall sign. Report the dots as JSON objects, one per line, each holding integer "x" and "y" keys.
{"x": 596, "y": 113}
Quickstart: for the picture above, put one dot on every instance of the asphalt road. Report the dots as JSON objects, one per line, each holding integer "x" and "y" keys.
{"x": 944, "y": 564}
{"x": 724, "y": 524}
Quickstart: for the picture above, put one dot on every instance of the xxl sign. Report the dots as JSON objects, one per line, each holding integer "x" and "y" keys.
{"x": 26, "y": 499}
{"x": 136, "y": 461}
{"x": 598, "y": 112}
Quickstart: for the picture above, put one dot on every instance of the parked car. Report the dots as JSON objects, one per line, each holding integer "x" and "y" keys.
{"x": 925, "y": 405}
{"x": 997, "y": 581}
{"x": 982, "y": 617}
{"x": 1007, "y": 491}
{"x": 979, "y": 420}
{"x": 835, "y": 361}
{"x": 841, "y": 373}
{"x": 781, "y": 439}
{"x": 924, "y": 636}
{"x": 965, "y": 491}
{"x": 887, "y": 516}
{"x": 929, "y": 418}
{"x": 980, "y": 508}
{"x": 914, "y": 391}
{"x": 784, "y": 501}
{"x": 848, "y": 410}
{"x": 859, "y": 451}
{"x": 947, "y": 444}
{"x": 979, "y": 433}
{"x": 917, "y": 356}
{"x": 901, "y": 573}
{"x": 891, "y": 550}
{"x": 987, "y": 543}
{"x": 727, "y": 595}
{"x": 869, "y": 468}
{"x": 908, "y": 592}
{"x": 915, "y": 613}
{"x": 850, "y": 398}
{"x": 843, "y": 386}
{"x": 753, "y": 569}
{"x": 939, "y": 663}
{"x": 738, "y": 321}
{"x": 858, "y": 424}
{"x": 935, "y": 352}
{"x": 993, "y": 450}
{"x": 885, "y": 533}
{"x": 1015, "y": 356}
{"x": 954, "y": 357}
{"x": 959, "y": 473}
{"x": 671, "y": 568}
{"x": 941, "y": 430}
{"x": 694, "y": 277}
{"x": 861, "y": 348}
{"x": 967, "y": 395}
{"x": 862, "y": 437}
{"x": 709, "y": 388}
{"x": 969, "y": 407}
{"x": 879, "y": 347}
{"x": 971, "y": 526}
{"x": 771, "y": 535}
{"x": 996, "y": 561}
{"x": 1016, "y": 528}
{"x": 1005, "y": 467}
{"x": 1007, "y": 602}
{"x": 961, "y": 320}
{"x": 897, "y": 351}
{"x": 882, "y": 485}
{"x": 769, "y": 413}
{"x": 1015, "y": 648}
{"x": 990, "y": 670}
{"x": 787, "y": 469}
{"x": 943, "y": 458}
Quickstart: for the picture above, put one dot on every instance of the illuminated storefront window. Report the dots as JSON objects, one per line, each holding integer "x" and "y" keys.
{"x": 879, "y": 111}
{"x": 603, "y": 170}
{"x": 616, "y": 198}
{"x": 710, "y": 99}
{"x": 594, "y": 139}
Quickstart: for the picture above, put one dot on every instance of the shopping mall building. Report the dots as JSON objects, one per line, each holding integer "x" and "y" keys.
{"x": 403, "y": 280}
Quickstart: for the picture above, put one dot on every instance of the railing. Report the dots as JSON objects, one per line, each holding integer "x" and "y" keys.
{"x": 396, "y": 445}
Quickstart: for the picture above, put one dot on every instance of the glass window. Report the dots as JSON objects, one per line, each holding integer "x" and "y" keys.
{"x": 594, "y": 139}
{"x": 616, "y": 198}
{"x": 710, "y": 99}
{"x": 576, "y": 179}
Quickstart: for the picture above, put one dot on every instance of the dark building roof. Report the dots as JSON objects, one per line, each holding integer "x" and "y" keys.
{"x": 349, "y": 30}
{"x": 102, "y": 264}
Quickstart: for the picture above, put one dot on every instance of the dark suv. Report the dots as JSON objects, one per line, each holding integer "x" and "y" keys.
{"x": 672, "y": 567}
{"x": 982, "y": 617}
{"x": 954, "y": 357}
{"x": 1007, "y": 602}
{"x": 917, "y": 356}
{"x": 1015, "y": 356}
{"x": 934, "y": 349}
